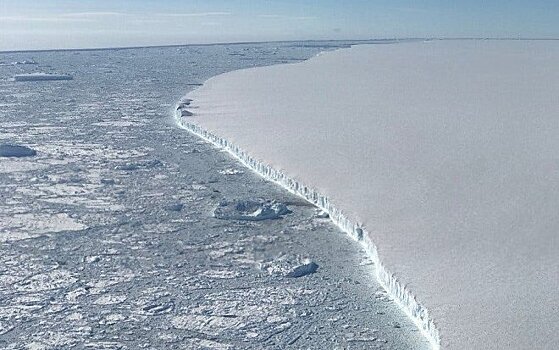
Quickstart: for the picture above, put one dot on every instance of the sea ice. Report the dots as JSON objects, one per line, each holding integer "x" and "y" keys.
{"x": 23, "y": 226}
{"x": 120, "y": 282}
{"x": 440, "y": 156}
{"x": 132, "y": 166}
{"x": 250, "y": 210}
{"x": 17, "y": 63}
{"x": 230, "y": 171}
{"x": 24, "y": 62}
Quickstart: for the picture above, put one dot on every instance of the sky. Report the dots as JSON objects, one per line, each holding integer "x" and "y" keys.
{"x": 55, "y": 24}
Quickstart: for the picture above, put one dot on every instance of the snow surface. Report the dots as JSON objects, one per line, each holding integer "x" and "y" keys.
{"x": 443, "y": 153}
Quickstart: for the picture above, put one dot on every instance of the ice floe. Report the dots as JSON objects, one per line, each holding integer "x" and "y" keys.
{"x": 24, "y": 226}
{"x": 41, "y": 77}
{"x": 176, "y": 207}
{"x": 250, "y": 210}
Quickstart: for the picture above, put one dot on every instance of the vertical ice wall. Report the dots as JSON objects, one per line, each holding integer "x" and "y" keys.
{"x": 390, "y": 283}
{"x": 442, "y": 153}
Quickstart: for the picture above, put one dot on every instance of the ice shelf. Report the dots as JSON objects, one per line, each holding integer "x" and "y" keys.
{"x": 440, "y": 157}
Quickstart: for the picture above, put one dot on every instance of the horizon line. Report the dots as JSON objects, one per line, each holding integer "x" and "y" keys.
{"x": 270, "y": 41}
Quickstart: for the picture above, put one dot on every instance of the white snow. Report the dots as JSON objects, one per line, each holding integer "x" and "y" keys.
{"x": 440, "y": 156}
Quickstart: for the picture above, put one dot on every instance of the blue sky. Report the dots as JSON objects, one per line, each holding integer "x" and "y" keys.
{"x": 40, "y": 24}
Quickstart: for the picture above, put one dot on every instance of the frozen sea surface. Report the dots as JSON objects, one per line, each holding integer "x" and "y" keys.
{"x": 109, "y": 237}
{"x": 445, "y": 151}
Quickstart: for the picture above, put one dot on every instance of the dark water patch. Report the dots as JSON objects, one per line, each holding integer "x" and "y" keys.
{"x": 16, "y": 151}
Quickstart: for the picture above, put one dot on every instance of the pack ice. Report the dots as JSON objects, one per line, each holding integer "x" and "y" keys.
{"x": 441, "y": 157}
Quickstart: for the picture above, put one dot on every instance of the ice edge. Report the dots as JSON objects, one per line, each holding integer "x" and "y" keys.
{"x": 403, "y": 296}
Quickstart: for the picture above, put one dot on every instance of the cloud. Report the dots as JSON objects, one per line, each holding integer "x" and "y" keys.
{"x": 409, "y": 9}
{"x": 92, "y": 14}
{"x": 64, "y": 17}
{"x": 297, "y": 18}
{"x": 194, "y": 14}
{"x": 99, "y": 16}
{"x": 37, "y": 19}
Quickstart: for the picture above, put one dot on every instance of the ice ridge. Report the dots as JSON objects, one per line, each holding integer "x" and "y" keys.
{"x": 402, "y": 295}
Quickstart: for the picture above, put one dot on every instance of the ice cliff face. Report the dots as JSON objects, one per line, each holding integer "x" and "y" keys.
{"x": 395, "y": 289}
{"x": 443, "y": 153}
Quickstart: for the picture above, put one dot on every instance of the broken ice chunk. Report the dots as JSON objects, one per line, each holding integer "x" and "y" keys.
{"x": 41, "y": 77}
{"x": 250, "y": 210}
{"x": 175, "y": 207}
{"x": 138, "y": 165}
{"x": 186, "y": 113}
{"x": 303, "y": 270}
{"x": 185, "y": 103}
{"x": 230, "y": 172}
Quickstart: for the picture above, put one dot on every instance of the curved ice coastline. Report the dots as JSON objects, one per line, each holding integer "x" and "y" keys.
{"x": 402, "y": 295}
{"x": 445, "y": 151}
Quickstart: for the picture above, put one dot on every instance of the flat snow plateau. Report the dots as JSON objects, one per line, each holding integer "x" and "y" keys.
{"x": 446, "y": 152}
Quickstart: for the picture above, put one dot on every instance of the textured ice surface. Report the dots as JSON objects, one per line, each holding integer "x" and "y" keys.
{"x": 108, "y": 238}
{"x": 445, "y": 152}
{"x": 24, "y": 226}
{"x": 250, "y": 210}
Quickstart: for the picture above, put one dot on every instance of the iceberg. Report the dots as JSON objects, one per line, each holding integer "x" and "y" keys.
{"x": 303, "y": 270}
{"x": 250, "y": 210}
{"x": 440, "y": 157}
{"x": 42, "y": 77}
